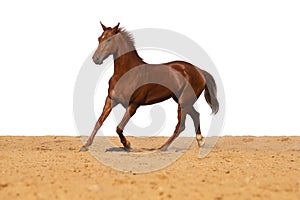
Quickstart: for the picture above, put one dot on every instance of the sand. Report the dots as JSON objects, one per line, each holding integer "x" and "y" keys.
{"x": 236, "y": 168}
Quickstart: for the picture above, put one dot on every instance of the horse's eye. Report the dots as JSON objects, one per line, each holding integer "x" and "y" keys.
{"x": 108, "y": 40}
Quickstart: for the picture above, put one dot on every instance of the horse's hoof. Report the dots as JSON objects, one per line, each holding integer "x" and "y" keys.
{"x": 127, "y": 149}
{"x": 83, "y": 149}
{"x": 127, "y": 146}
{"x": 201, "y": 142}
{"x": 163, "y": 148}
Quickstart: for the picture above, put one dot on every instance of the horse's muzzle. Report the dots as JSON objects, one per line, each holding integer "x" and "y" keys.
{"x": 98, "y": 60}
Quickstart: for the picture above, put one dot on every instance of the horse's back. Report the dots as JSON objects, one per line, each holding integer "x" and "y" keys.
{"x": 191, "y": 73}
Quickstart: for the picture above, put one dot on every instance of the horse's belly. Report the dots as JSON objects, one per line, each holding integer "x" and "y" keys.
{"x": 150, "y": 94}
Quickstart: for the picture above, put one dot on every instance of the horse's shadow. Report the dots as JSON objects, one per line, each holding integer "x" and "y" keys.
{"x": 116, "y": 149}
{"x": 122, "y": 149}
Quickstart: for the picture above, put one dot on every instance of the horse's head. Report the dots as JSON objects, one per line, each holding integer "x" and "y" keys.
{"x": 107, "y": 44}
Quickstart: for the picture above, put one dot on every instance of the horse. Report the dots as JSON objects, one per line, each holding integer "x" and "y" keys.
{"x": 146, "y": 84}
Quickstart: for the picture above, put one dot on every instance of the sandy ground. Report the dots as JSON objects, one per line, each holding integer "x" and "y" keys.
{"x": 237, "y": 168}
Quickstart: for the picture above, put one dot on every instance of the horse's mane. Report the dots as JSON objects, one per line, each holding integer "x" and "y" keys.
{"x": 127, "y": 36}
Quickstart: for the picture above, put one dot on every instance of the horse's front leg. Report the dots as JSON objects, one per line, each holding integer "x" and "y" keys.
{"x": 109, "y": 104}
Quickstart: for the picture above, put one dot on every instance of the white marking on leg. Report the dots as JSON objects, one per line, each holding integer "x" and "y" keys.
{"x": 200, "y": 140}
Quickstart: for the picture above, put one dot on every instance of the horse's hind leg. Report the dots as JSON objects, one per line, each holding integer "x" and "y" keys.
{"x": 195, "y": 116}
{"x": 179, "y": 128}
{"x": 130, "y": 111}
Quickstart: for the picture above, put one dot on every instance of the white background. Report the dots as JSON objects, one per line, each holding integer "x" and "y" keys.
{"x": 254, "y": 44}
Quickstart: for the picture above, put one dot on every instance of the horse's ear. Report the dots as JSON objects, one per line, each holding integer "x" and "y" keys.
{"x": 103, "y": 27}
{"x": 116, "y": 28}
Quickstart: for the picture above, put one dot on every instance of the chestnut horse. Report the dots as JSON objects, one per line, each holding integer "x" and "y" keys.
{"x": 152, "y": 84}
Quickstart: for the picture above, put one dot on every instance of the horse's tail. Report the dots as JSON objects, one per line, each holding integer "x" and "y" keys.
{"x": 210, "y": 92}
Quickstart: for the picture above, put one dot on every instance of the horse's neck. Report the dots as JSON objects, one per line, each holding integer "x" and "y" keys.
{"x": 126, "y": 62}
{"x": 126, "y": 58}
